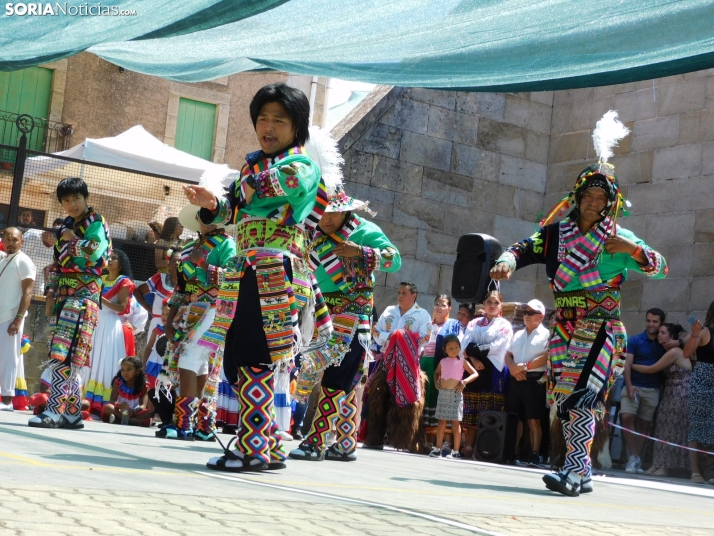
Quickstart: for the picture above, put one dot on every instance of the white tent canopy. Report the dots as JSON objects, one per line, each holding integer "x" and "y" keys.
{"x": 138, "y": 150}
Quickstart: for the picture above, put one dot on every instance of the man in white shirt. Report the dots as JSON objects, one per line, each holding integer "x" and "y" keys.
{"x": 17, "y": 277}
{"x": 526, "y": 361}
{"x": 405, "y": 315}
{"x": 39, "y": 245}
{"x": 400, "y": 331}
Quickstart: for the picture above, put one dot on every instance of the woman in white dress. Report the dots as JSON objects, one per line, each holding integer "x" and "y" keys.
{"x": 485, "y": 343}
{"x": 108, "y": 348}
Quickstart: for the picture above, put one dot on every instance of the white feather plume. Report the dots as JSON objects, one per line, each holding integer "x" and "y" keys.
{"x": 608, "y": 131}
{"x": 322, "y": 148}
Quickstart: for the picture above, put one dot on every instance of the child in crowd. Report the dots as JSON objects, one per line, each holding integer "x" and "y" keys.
{"x": 450, "y": 403}
{"x": 130, "y": 395}
{"x": 153, "y": 358}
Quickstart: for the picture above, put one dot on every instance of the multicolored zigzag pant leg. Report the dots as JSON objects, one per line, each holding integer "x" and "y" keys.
{"x": 65, "y": 396}
{"x": 327, "y": 411}
{"x": 205, "y": 417}
{"x": 579, "y": 434}
{"x": 184, "y": 412}
{"x": 256, "y": 422}
{"x": 346, "y": 425}
{"x": 277, "y": 452}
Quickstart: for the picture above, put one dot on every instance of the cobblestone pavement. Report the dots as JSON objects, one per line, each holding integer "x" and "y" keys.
{"x": 108, "y": 479}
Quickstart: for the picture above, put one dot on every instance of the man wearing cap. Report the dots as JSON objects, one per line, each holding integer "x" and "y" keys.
{"x": 587, "y": 257}
{"x": 192, "y": 309}
{"x": 347, "y": 251}
{"x": 526, "y": 358}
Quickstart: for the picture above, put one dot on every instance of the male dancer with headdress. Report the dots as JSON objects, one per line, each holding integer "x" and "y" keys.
{"x": 74, "y": 288}
{"x": 587, "y": 257}
{"x": 346, "y": 252}
{"x": 192, "y": 309}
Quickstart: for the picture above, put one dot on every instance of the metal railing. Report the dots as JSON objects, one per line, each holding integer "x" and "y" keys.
{"x": 137, "y": 205}
{"x": 45, "y": 135}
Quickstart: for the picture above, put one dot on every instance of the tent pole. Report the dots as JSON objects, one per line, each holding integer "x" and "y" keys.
{"x": 313, "y": 95}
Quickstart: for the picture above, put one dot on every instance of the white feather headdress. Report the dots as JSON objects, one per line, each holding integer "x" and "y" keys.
{"x": 608, "y": 131}
{"x": 323, "y": 150}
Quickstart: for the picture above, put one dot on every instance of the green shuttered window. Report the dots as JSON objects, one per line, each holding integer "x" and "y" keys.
{"x": 195, "y": 127}
{"x": 27, "y": 91}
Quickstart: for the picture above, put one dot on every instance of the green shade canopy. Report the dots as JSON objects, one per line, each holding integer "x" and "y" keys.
{"x": 484, "y": 45}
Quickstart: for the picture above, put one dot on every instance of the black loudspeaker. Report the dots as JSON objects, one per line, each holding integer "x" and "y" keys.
{"x": 496, "y": 437}
{"x": 475, "y": 255}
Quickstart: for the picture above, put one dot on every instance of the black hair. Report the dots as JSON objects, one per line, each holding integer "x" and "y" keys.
{"x": 124, "y": 263}
{"x": 443, "y": 297}
{"x": 469, "y": 307}
{"x": 657, "y": 312}
{"x": 140, "y": 380}
{"x": 169, "y": 228}
{"x": 23, "y": 210}
{"x": 412, "y": 287}
{"x": 451, "y": 337}
{"x": 71, "y": 186}
{"x": 709, "y": 318}
{"x": 57, "y": 222}
{"x": 293, "y": 100}
{"x": 675, "y": 330}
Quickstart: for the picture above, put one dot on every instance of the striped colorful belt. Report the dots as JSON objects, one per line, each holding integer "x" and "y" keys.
{"x": 252, "y": 234}
{"x": 580, "y": 304}
{"x": 79, "y": 285}
{"x": 358, "y": 303}
{"x": 198, "y": 293}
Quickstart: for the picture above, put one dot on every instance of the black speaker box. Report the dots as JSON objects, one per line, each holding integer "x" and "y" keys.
{"x": 476, "y": 254}
{"x": 496, "y": 436}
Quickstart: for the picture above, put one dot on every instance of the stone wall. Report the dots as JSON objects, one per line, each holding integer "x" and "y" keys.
{"x": 666, "y": 169}
{"x": 439, "y": 164}
{"x": 100, "y": 101}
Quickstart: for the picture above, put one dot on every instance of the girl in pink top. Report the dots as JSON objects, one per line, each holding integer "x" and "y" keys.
{"x": 450, "y": 404}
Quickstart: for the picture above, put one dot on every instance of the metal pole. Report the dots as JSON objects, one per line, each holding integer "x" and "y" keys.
{"x": 25, "y": 123}
{"x": 313, "y": 94}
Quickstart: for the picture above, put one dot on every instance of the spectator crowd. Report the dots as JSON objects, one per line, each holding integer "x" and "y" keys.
{"x": 480, "y": 359}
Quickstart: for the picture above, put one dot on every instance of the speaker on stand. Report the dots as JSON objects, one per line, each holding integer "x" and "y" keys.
{"x": 476, "y": 254}
{"x": 496, "y": 437}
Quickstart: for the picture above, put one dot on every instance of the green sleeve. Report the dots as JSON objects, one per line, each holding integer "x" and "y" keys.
{"x": 656, "y": 268}
{"x": 378, "y": 250}
{"x": 92, "y": 248}
{"x": 274, "y": 189}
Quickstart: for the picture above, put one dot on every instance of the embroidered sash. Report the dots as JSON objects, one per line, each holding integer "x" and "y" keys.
{"x": 323, "y": 254}
{"x": 579, "y": 253}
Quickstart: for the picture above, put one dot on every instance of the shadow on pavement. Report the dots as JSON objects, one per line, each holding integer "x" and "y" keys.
{"x": 112, "y": 458}
{"x": 127, "y": 462}
{"x": 471, "y": 486}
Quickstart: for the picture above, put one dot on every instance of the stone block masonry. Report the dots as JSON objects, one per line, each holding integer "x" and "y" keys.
{"x": 439, "y": 164}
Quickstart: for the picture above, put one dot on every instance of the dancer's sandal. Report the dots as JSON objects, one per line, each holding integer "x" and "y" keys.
{"x": 203, "y": 436}
{"x": 562, "y": 483}
{"x": 45, "y": 420}
{"x": 697, "y": 478}
{"x": 180, "y": 435}
{"x": 234, "y": 461}
{"x": 307, "y": 452}
{"x": 71, "y": 424}
{"x": 55, "y": 420}
{"x": 333, "y": 453}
